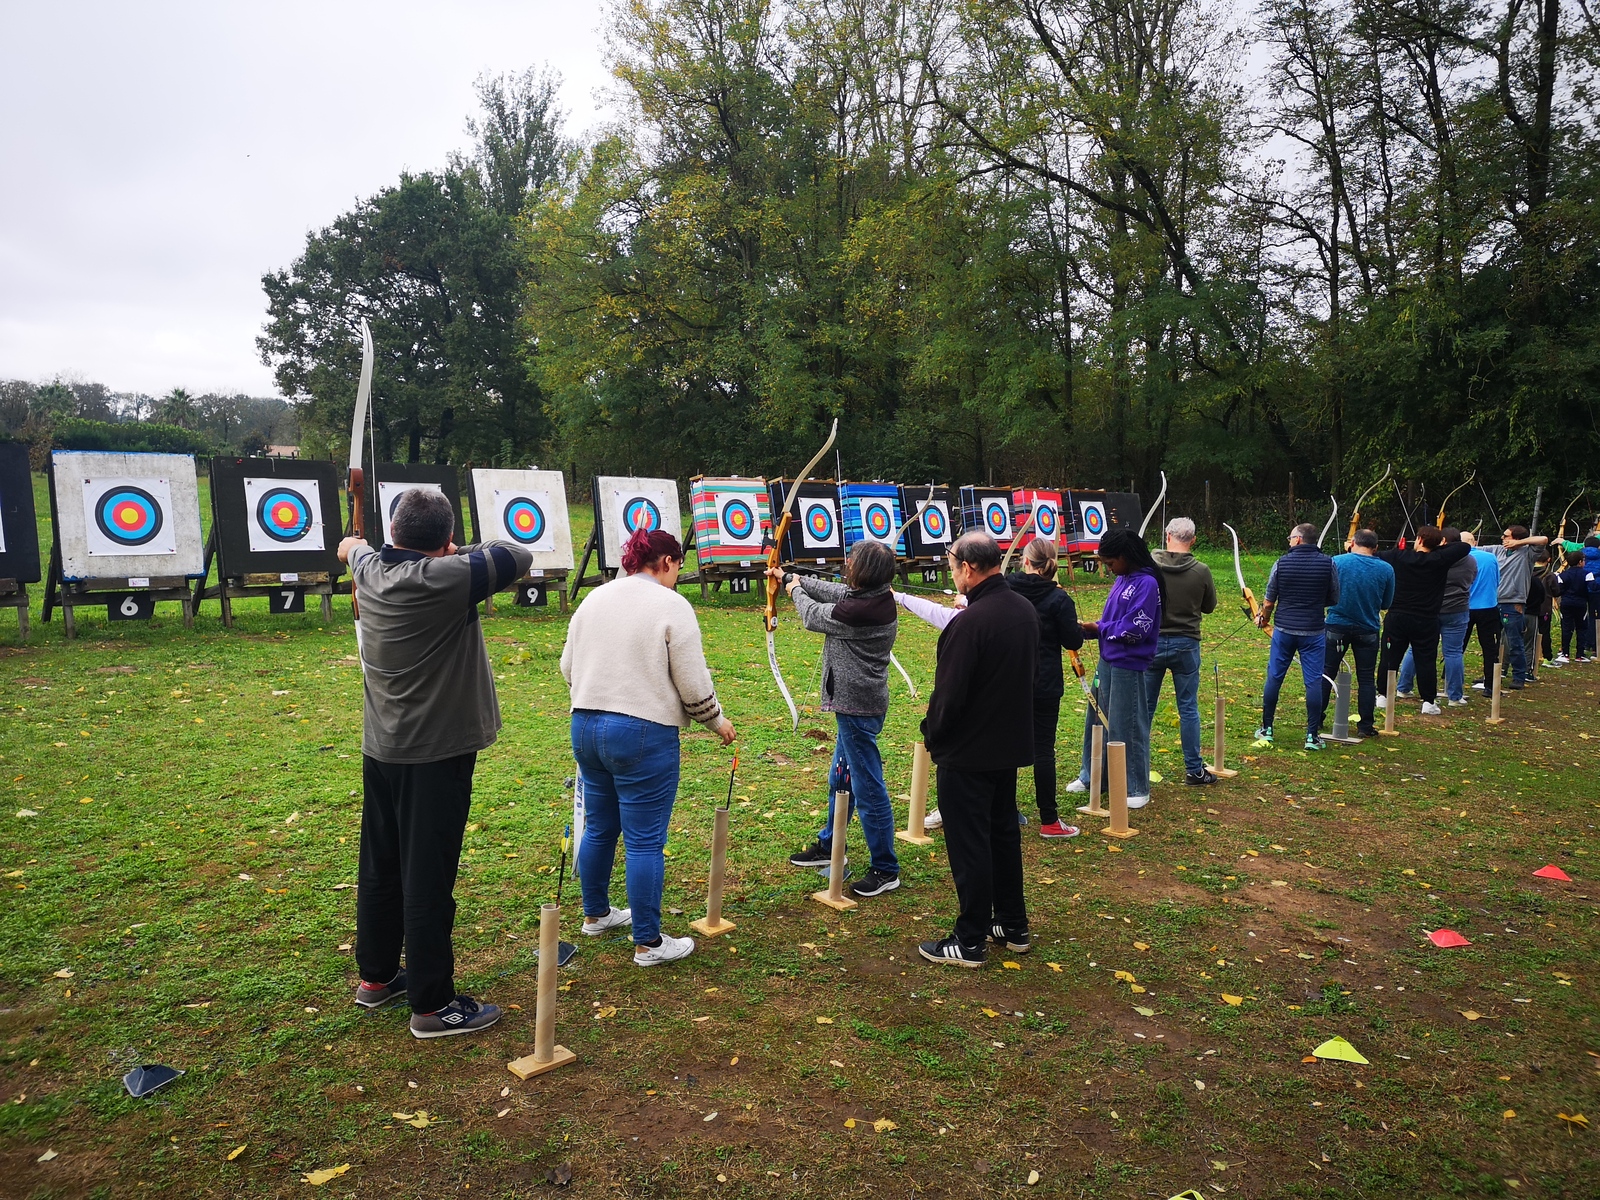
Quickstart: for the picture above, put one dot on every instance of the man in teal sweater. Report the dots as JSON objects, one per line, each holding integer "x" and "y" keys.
{"x": 1366, "y": 588}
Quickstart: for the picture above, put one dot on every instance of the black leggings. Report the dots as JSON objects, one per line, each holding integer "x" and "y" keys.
{"x": 1046, "y": 715}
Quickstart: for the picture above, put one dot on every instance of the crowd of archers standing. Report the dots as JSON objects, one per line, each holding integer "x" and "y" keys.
{"x": 638, "y": 675}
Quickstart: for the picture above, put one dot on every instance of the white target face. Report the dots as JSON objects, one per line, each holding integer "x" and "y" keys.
{"x": 128, "y": 516}
{"x": 2, "y": 527}
{"x": 997, "y": 519}
{"x": 1092, "y": 519}
{"x": 935, "y": 522}
{"x": 1046, "y": 520}
{"x": 389, "y": 495}
{"x": 877, "y": 519}
{"x": 523, "y": 519}
{"x": 738, "y": 519}
{"x": 283, "y": 514}
{"x": 819, "y": 524}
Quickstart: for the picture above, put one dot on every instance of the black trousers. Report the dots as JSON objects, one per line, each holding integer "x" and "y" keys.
{"x": 1575, "y": 626}
{"x": 1487, "y": 623}
{"x": 412, "y": 821}
{"x": 985, "y": 848}
{"x": 1363, "y": 647}
{"x": 1418, "y": 633}
{"x": 1046, "y": 716}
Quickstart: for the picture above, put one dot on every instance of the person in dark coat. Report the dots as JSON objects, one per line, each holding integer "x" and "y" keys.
{"x": 979, "y": 731}
{"x": 1058, "y": 631}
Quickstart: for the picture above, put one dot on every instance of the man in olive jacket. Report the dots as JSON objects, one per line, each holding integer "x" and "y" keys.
{"x": 979, "y": 731}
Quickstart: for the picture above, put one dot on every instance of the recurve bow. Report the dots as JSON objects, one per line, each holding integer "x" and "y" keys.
{"x": 1323, "y": 536}
{"x": 1016, "y": 539}
{"x": 1160, "y": 496}
{"x": 775, "y": 557}
{"x": 1355, "y": 513}
{"x": 1247, "y": 599}
{"x": 355, "y": 483}
{"x": 1444, "y": 505}
{"x": 1561, "y": 530}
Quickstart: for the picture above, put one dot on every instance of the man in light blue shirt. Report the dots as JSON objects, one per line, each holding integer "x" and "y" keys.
{"x": 1366, "y": 588}
{"x": 1483, "y": 607}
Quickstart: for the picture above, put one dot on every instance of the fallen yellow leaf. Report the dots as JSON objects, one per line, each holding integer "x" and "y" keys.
{"x": 235, "y": 1154}
{"x": 1054, "y": 966}
{"x": 318, "y": 1178}
{"x": 1012, "y": 966}
{"x": 1469, "y": 1014}
{"x": 1508, "y": 1114}
{"x": 884, "y": 1125}
{"x": 824, "y": 1020}
{"x": 1574, "y": 1119}
{"x": 1136, "y": 988}
{"x": 849, "y": 1122}
{"x": 1033, "y": 1178}
{"x": 989, "y": 1012}
{"x": 1141, "y": 945}
{"x": 1235, "y": 1001}
{"x": 1125, "y": 976}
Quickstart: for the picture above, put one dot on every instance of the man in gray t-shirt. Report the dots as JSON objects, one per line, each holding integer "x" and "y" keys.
{"x": 1515, "y": 555}
{"x": 430, "y": 706}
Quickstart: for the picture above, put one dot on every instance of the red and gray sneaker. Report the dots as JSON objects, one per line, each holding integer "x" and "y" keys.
{"x": 461, "y": 1015}
{"x": 376, "y": 995}
{"x": 952, "y": 952}
{"x": 1055, "y": 829}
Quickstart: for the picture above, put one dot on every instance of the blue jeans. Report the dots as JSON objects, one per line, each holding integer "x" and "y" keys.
{"x": 630, "y": 780}
{"x": 1285, "y": 646}
{"x": 1453, "y": 638}
{"x": 1515, "y": 624}
{"x": 1122, "y": 694}
{"x": 858, "y": 769}
{"x": 1181, "y": 656}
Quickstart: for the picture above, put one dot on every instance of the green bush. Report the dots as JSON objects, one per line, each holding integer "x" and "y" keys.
{"x": 74, "y": 433}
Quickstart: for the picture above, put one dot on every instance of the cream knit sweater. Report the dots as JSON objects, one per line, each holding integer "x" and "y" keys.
{"x": 633, "y": 647}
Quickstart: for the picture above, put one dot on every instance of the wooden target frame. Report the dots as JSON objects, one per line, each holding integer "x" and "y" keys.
{"x": 19, "y": 532}
{"x": 488, "y": 486}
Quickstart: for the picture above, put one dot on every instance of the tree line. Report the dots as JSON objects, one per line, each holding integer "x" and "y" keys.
{"x": 1018, "y": 241}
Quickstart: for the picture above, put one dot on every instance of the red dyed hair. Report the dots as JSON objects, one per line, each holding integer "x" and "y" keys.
{"x": 647, "y": 547}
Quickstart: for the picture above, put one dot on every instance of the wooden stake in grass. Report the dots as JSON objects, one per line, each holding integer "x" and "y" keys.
{"x": 1391, "y": 691}
{"x": 914, "y": 831}
{"x": 834, "y": 896}
{"x": 1494, "y": 717}
{"x": 1117, "y": 772}
{"x": 712, "y": 923}
{"x": 1219, "y": 740}
{"x": 1097, "y": 750}
{"x": 546, "y": 1056}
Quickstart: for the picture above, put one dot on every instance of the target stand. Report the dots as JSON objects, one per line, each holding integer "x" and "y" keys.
{"x": 14, "y": 594}
{"x": 127, "y": 534}
{"x": 19, "y": 533}
{"x": 527, "y": 508}
{"x": 274, "y": 534}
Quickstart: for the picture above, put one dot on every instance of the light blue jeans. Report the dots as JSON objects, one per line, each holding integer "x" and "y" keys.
{"x": 1181, "y": 656}
{"x": 630, "y": 781}
{"x": 1127, "y": 705}
{"x": 1453, "y": 641}
{"x": 858, "y": 769}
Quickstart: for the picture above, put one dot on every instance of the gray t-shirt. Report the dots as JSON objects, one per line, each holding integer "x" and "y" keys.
{"x": 428, "y": 684}
{"x": 1458, "y": 586}
{"x": 1516, "y": 572}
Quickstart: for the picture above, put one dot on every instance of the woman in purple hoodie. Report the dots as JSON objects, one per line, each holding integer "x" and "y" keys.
{"x": 1127, "y": 632}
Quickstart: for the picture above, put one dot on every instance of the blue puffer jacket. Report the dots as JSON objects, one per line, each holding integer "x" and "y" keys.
{"x": 1591, "y": 569}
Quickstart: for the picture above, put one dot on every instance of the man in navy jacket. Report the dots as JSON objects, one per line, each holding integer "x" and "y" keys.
{"x": 1302, "y": 585}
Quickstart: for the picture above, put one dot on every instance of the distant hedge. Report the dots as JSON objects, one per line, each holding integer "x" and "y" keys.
{"x": 74, "y": 433}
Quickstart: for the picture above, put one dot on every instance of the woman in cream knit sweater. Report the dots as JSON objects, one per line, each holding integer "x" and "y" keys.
{"x": 638, "y": 675}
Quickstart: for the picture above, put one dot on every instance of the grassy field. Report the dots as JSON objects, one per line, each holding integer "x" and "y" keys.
{"x": 179, "y": 891}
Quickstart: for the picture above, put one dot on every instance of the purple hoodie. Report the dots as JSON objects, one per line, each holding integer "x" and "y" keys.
{"x": 1130, "y": 622}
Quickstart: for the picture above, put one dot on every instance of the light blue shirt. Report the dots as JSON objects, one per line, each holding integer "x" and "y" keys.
{"x": 1485, "y": 591}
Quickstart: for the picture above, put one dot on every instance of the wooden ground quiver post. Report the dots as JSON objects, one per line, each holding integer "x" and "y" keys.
{"x": 1097, "y": 748}
{"x": 1117, "y": 782}
{"x": 1390, "y": 693}
{"x": 1494, "y": 717}
{"x": 712, "y": 923}
{"x": 546, "y": 1056}
{"x": 833, "y": 896}
{"x": 1219, "y": 740}
{"x": 914, "y": 831}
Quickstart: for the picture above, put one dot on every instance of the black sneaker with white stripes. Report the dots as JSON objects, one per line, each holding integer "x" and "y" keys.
{"x": 1019, "y": 943}
{"x": 461, "y": 1015}
{"x": 951, "y": 952}
{"x": 874, "y": 883}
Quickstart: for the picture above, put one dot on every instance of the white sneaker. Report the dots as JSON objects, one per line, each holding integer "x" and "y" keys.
{"x": 1430, "y": 709}
{"x": 1562, "y": 659}
{"x": 1138, "y": 801}
{"x": 1383, "y": 701}
{"x": 616, "y": 916}
{"x": 1477, "y": 687}
{"x": 932, "y": 821}
{"x": 1461, "y": 703}
{"x": 1077, "y": 786}
{"x": 671, "y": 948}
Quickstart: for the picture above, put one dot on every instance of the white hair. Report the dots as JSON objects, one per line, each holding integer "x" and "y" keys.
{"x": 1181, "y": 528}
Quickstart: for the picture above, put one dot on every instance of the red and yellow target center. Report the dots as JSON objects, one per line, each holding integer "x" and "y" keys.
{"x": 129, "y": 515}
{"x": 284, "y": 514}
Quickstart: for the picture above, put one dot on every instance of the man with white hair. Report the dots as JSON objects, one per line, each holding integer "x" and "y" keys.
{"x": 1191, "y": 593}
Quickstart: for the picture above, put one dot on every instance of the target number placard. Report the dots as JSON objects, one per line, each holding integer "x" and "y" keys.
{"x": 935, "y": 522}
{"x": 283, "y": 514}
{"x": 997, "y": 518}
{"x": 877, "y": 519}
{"x": 531, "y": 595}
{"x": 523, "y": 517}
{"x": 1092, "y": 515}
{"x": 738, "y": 519}
{"x": 128, "y": 516}
{"x": 130, "y": 606}
{"x": 389, "y": 495}
{"x": 819, "y": 523}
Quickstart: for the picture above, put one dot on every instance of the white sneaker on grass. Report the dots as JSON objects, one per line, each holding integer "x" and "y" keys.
{"x": 1461, "y": 703}
{"x": 595, "y": 926}
{"x": 1383, "y": 701}
{"x": 1138, "y": 801}
{"x": 1077, "y": 786}
{"x": 671, "y": 948}
{"x": 932, "y": 821}
{"x": 1430, "y": 709}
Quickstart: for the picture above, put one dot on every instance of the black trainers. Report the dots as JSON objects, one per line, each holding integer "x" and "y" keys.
{"x": 814, "y": 855}
{"x": 376, "y": 997}
{"x": 874, "y": 883}
{"x": 1201, "y": 778}
{"x": 1019, "y": 943}
{"x": 951, "y": 952}
{"x": 1367, "y": 731}
{"x": 461, "y": 1015}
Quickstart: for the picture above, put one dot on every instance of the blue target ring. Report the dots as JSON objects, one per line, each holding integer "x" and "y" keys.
{"x": 641, "y": 513}
{"x": 933, "y": 524}
{"x": 997, "y": 519}
{"x": 820, "y": 522}
{"x": 523, "y": 520}
{"x": 284, "y": 515}
{"x": 739, "y": 519}
{"x": 1094, "y": 520}
{"x": 129, "y": 516}
{"x": 1045, "y": 521}
{"x": 877, "y": 520}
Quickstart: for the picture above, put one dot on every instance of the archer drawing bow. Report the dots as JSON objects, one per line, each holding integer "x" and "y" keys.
{"x": 1355, "y": 513}
{"x": 1323, "y": 536}
{"x": 1160, "y": 496}
{"x": 355, "y": 484}
{"x": 774, "y": 558}
{"x": 1247, "y": 598}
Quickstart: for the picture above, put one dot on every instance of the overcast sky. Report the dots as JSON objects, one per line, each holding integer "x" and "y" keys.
{"x": 160, "y": 156}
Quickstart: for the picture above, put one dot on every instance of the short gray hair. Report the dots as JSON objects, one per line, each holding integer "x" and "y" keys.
{"x": 423, "y": 519}
{"x": 1181, "y": 528}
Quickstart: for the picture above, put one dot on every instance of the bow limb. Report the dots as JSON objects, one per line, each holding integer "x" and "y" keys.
{"x": 1083, "y": 682}
{"x": 355, "y": 483}
{"x": 777, "y": 675}
{"x": 774, "y": 558}
{"x": 1247, "y": 598}
{"x": 1355, "y": 513}
{"x": 1561, "y": 531}
{"x": 1322, "y": 537}
{"x": 1027, "y": 525}
{"x": 903, "y": 674}
{"x": 1444, "y": 505}
{"x": 1160, "y": 496}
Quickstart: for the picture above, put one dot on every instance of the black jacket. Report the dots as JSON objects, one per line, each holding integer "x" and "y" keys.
{"x": 980, "y": 716}
{"x": 1419, "y": 578}
{"x": 1058, "y": 629}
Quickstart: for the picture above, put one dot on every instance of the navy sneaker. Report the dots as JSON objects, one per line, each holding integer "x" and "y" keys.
{"x": 874, "y": 883}
{"x": 370, "y": 995}
{"x": 461, "y": 1015}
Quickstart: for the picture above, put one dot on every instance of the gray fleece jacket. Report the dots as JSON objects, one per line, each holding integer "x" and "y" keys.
{"x": 860, "y": 629}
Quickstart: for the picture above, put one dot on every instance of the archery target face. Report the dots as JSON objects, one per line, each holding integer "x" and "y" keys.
{"x": 524, "y": 518}
{"x": 935, "y": 522}
{"x": 1092, "y": 514}
{"x": 1046, "y": 521}
{"x": 128, "y": 516}
{"x": 283, "y": 514}
{"x": 737, "y": 519}
{"x": 997, "y": 518}
{"x": 389, "y": 495}
{"x": 819, "y": 524}
{"x": 877, "y": 519}
{"x": 640, "y": 512}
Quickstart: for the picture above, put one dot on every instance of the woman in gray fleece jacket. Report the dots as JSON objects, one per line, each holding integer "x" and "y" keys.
{"x": 859, "y": 619}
